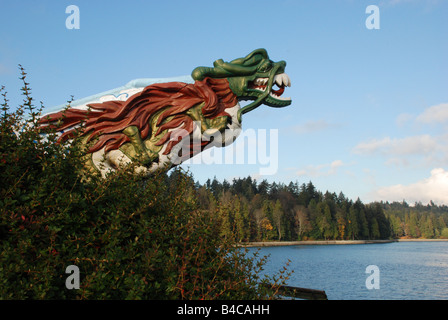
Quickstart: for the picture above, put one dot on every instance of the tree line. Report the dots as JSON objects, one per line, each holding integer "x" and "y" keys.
{"x": 419, "y": 221}
{"x": 248, "y": 210}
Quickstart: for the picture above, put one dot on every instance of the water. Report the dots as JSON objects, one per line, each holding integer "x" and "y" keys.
{"x": 407, "y": 270}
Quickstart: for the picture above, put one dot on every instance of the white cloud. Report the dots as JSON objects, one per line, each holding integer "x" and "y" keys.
{"x": 434, "y": 188}
{"x": 431, "y": 115}
{"x": 415, "y": 145}
{"x": 321, "y": 169}
{"x": 429, "y": 148}
{"x": 409, "y": 151}
{"x": 434, "y": 114}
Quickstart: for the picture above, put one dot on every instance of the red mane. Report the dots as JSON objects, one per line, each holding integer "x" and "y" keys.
{"x": 107, "y": 120}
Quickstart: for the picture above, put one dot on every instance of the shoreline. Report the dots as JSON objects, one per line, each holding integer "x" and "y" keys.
{"x": 328, "y": 242}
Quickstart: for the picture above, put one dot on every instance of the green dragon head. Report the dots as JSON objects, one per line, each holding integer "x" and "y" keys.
{"x": 251, "y": 78}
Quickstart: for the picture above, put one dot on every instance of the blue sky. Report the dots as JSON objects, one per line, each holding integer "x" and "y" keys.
{"x": 370, "y": 107}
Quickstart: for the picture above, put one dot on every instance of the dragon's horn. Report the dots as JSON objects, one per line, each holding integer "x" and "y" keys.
{"x": 200, "y": 73}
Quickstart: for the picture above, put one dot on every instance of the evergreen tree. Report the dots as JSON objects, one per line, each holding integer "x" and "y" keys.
{"x": 352, "y": 225}
{"x": 263, "y": 188}
{"x": 363, "y": 225}
{"x": 374, "y": 229}
{"x": 270, "y": 226}
{"x": 341, "y": 224}
{"x": 277, "y": 217}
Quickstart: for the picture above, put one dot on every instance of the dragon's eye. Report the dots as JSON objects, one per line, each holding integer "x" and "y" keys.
{"x": 266, "y": 66}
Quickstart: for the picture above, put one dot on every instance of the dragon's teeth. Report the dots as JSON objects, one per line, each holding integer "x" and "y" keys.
{"x": 282, "y": 79}
{"x": 261, "y": 81}
{"x": 278, "y": 97}
{"x": 278, "y": 79}
{"x": 288, "y": 80}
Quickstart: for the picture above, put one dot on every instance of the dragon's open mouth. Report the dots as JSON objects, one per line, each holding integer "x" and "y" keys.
{"x": 281, "y": 81}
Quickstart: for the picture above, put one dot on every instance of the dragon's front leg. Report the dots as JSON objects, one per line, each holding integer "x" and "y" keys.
{"x": 208, "y": 125}
{"x": 136, "y": 149}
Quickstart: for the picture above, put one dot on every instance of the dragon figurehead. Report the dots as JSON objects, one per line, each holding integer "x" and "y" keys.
{"x": 251, "y": 78}
{"x": 162, "y": 124}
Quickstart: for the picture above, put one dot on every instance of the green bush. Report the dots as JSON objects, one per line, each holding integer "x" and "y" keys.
{"x": 130, "y": 237}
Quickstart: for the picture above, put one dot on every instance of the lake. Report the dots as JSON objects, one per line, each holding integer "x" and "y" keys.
{"x": 405, "y": 270}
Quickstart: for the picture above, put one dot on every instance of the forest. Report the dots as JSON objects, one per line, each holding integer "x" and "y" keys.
{"x": 248, "y": 210}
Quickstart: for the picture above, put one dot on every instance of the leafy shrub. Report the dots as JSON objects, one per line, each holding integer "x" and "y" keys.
{"x": 130, "y": 237}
